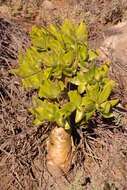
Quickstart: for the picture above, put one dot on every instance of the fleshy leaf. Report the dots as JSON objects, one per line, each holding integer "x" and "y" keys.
{"x": 49, "y": 90}
{"x": 105, "y": 93}
{"x": 89, "y": 115}
{"x": 81, "y": 32}
{"x": 55, "y": 32}
{"x": 79, "y": 115}
{"x": 67, "y": 109}
{"x": 46, "y": 112}
{"x": 38, "y": 38}
{"x": 108, "y": 115}
{"x": 83, "y": 52}
{"x": 75, "y": 98}
{"x": 106, "y": 107}
{"x": 113, "y": 102}
{"x": 67, "y": 126}
{"x": 92, "y": 55}
{"x": 88, "y": 103}
{"x": 68, "y": 58}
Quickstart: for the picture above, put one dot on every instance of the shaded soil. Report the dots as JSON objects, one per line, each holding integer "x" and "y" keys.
{"x": 100, "y": 158}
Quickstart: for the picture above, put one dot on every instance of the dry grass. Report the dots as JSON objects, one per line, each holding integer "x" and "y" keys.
{"x": 101, "y": 146}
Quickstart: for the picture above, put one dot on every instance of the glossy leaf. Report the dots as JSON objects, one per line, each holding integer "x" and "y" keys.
{"x": 92, "y": 55}
{"x": 93, "y": 91}
{"x": 106, "y": 107}
{"x": 83, "y": 52}
{"x": 114, "y": 102}
{"x": 88, "y": 103}
{"x": 67, "y": 126}
{"x": 83, "y": 79}
{"x": 67, "y": 109}
{"x": 108, "y": 115}
{"x": 46, "y": 111}
{"x": 56, "y": 33}
{"x": 49, "y": 90}
{"x": 68, "y": 58}
{"x": 89, "y": 115}
{"x": 80, "y": 113}
{"x": 81, "y": 32}
{"x": 38, "y": 38}
{"x": 33, "y": 80}
{"x": 105, "y": 93}
{"x": 75, "y": 98}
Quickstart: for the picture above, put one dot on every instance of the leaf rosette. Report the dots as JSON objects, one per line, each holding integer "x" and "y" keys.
{"x": 61, "y": 67}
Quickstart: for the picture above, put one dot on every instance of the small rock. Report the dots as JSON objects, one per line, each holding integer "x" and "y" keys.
{"x": 5, "y": 11}
{"x": 47, "y": 5}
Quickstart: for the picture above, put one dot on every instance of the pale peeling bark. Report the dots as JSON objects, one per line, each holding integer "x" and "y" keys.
{"x": 59, "y": 149}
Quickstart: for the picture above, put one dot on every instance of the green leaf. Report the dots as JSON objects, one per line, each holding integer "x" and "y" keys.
{"x": 101, "y": 72}
{"x": 89, "y": 115}
{"x": 79, "y": 115}
{"x": 68, "y": 58}
{"x": 57, "y": 71}
{"x": 106, "y": 106}
{"x": 55, "y": 46}
{"x": 108, "y": 115}
{"x": 105, "y": 93}
{"x": 24, "y": 70}
{"x": 77, "y": 80}
{"x": 81, "y": 80}
{"x": 92, "y": 55}
{"x": 38, "y": 38}
{"x": 81, "y": 88}
{"x": 104, "y": 68}
{"x": 38, "y": 101}
{"x": 37, "y": 122}
{"x": 81, "y": 32}
{"x": 113, "y": 102}
{"x": 75, "y": 97}
{"x": 49, "y": 90}
{"x": 67, "y": 126}
{"x": 46, "y": 112}
{"x": 75, "y": 101}
{"x": 83, "y": 52}
{"x": 67, "y": 109}
{"x": 29, "y": 69}
{"x": 48, "y": 59}
{"x": 67, "y": 31}
{"x": 67, "y": 28}
{"x": 56, "y": 33}
{"x": 67, "y": 72}
{"x": 88, "y": 103}
{"x": 97, "y": 75}
{"x": 33, "y": 81}
{"x": 92, "y": 91}
{"x": 61, "y": 85}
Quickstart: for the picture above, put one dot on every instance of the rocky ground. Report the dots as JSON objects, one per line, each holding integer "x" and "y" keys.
{"x": 100, "y": 159}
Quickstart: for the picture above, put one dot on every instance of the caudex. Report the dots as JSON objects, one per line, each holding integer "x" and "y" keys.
{"x": 61, "y": 67}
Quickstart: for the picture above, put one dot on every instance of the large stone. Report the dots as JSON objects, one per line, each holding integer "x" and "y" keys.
{"x": 114, "y": 47}
{"x": 115, "y": 40}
